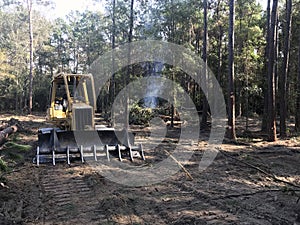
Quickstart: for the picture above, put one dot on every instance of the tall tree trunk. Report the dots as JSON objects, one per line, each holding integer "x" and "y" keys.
{"x": 265, "y": 87}
{"x": 239, "y": 47}
{"x": 220, "y": 35}
{"x": 173, "y": 69}
{"x": 271, "y": 119}
{"x": 29, "y": 8}
{"x": 297, "y": 125}
{"x": 127, "y": 77}
{"x": 204, "y": 72}
{"x": 75, "y": 58}
{"x": 220, "y": 55}
{"x": 173, "y": 96}
{"x": 231, "y": 101}
{"x": 284, "y": 72}
{"x": 113, "y": 45}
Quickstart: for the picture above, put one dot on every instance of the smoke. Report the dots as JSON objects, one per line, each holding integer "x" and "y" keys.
{"x": 154, "y": 86}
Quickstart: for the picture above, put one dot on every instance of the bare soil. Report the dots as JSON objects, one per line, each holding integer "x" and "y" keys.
{"x": 249, "y": 182}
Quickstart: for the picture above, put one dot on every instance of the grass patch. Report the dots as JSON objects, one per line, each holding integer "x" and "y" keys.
{"x": 14, "y": 156}
{"x": 16, "y": 147}
{"x": 3, "y": 165}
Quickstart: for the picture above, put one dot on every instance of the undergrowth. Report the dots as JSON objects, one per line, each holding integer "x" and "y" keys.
{"x": 11, "y": 154}
{"x": 3, "y": 165}
{"x": 12, "y": 146}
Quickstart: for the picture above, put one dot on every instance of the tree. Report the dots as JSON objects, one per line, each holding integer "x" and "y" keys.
{"x": 204, "y": 57}
{"x": 129, "y": 67}
{"x": 231, "y": 91}
{"x": 113, "y": 46}
{"x": 271, "y": 118}
{"x": 220, "y": 39}
{"x": 297, "y": 124}
{"x": 217, "y": 49}
{"x": 265, "y": 86}
{"x": 14, "y": 40}
{"x": 30, "y": 32}
{"x": 285, "y": 68}
{"x": 248, "y": 59}
{"x": 29, "y": 8}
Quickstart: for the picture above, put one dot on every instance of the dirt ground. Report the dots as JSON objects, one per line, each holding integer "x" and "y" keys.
{"x": 250, "y": 182}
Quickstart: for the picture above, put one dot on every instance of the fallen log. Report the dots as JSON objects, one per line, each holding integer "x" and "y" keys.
{"x": 6, "y": 132}
{"x": 3, "y": 126}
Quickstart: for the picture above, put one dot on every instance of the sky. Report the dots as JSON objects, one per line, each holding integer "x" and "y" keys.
{"x": 63, "y": 7}
{"x": 264, "y": 3}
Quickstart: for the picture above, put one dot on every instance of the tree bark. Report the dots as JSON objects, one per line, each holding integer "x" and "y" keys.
{"x": 173, "y": 72}
{"x": 127, "y": 77}
{"x": 284, "y": 72}
{"x": 219, "y": 45}
{"x": 265, "y": 88}
{"x": 113, "y": 45}
{"x": 271, "y": 119}
{"x": 3, "y": 126}
{"x": 231, "y": 100}
{"x": 297, "y": 124}
{"x": 204, "y": 72}
{"x": 6, "y": 132}
{"x": 29, "y": 8}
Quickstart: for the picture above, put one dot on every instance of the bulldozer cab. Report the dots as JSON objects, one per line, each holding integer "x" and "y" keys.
{"x": 72, "y": 94}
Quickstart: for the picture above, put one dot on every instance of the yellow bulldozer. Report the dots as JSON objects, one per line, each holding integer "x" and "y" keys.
{"x": 75, "y": 134}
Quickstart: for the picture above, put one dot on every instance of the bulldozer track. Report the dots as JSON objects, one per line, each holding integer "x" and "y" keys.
{"x": 67, "y": 198}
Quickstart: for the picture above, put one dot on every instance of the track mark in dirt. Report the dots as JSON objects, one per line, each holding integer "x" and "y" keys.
{"x": 67, "y": 198}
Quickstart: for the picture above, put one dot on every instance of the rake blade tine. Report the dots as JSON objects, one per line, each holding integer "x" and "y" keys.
{"x": 38, "y": 155}
{"x": 142, "y": 151}
{"x": 68, "y": 155}
{"x": 81, "y": 153}
{"x": 119, "y": 152}
{"x": 107, "y": 152}
{"x": 53, "y": 157}
{"x": 130, "y": 154}
{"x": 95, "y": 152}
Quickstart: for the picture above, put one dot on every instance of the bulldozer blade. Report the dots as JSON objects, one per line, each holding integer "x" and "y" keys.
{"x": 53, "y": 143}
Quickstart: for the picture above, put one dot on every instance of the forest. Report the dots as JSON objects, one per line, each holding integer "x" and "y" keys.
{"x": 265, "y": 63}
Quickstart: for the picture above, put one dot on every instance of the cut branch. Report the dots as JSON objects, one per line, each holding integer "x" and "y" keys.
{"x": 180, "y": 165}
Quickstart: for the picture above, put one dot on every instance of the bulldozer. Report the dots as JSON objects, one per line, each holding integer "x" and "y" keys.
{"x": 74, "y": 133}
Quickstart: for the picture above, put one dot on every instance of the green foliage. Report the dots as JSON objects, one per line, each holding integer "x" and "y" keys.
{"x": 12, "y": 146}
{"x": 12, "y": 153}
{"x": 3, "y": 165}
{"x": 140, "y": 116}
{"x": 14, "y": 55}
